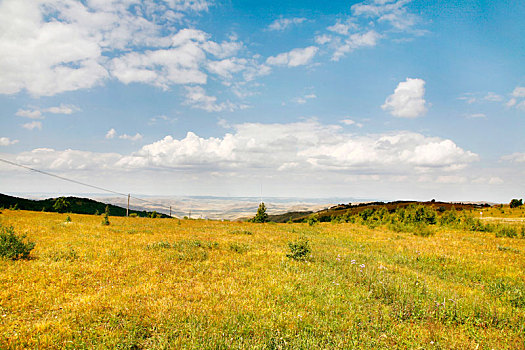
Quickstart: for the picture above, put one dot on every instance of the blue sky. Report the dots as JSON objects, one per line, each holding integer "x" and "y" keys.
{"x": 377, "y": 99}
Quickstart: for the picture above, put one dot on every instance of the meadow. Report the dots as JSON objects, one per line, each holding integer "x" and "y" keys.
{"x": 142, "y": 283}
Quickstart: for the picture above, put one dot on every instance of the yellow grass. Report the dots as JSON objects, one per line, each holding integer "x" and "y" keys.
{"x": 168, "y": 283}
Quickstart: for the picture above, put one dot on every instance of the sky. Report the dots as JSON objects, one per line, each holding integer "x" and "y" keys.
{"x": 384, "y": 99}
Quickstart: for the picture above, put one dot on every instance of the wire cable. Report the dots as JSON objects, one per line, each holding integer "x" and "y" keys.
{"x": 83, "y": 183}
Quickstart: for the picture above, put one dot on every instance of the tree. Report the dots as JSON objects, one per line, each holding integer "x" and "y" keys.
{"x": 261, "y": 215}
{"x": 61, "y": 205}
{"x": 516, "y": 203}
{"x": 105, "y": 222}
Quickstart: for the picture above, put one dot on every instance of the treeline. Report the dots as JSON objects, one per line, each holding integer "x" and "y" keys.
{"x": 423, "y": 220}
{"x": 74, "y": 205}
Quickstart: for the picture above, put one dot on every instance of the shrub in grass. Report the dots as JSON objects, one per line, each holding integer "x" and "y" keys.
{"x": 13, "y": 246}
{"x": 299, "y": 249}
{"x": 241, "y": 232}
{"x": 239, "y": 247}
{"x": 312, "y": 220}
{"x": 68, "y": 219}
{"x": 506, "y": 231}
{"x": 105, "y": 221}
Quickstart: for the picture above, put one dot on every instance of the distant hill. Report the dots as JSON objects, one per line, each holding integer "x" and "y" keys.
{"x": 77, "y": 205}
{"x": 352, "y": 209}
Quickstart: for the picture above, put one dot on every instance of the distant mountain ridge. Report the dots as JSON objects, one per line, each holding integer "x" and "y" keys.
{"x": 77, "y": 205}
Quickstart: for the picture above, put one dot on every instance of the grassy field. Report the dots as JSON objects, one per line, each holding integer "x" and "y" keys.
{"x": 194, "y": 284}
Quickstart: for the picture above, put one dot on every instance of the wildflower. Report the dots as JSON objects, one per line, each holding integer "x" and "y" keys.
{"x": 362, "y": 266}
{"x": 353, "y": 261}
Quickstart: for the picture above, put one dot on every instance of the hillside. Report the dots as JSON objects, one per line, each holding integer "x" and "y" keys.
{"x": 77, "y": 205}
{"x": 353, "y": 209}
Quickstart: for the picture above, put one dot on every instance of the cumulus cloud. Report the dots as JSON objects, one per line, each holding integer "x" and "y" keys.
{"x": 407, "y": 101}
{"x": 304, "y": 99}
{"x": 62, "y": 109}
{"x": 28, "y": 113}
{"x": 348, "y": 121}
{"x": 111, "y": 133}
{"x": 476, "y": 116}
{"x": 284, "y": 23}
{"x": 5, "y": 141}
{"x": 47, "y": 158}
{"x": 36, "y": 113}
{"x": 519, "y": 91}
{"x": 305, "y": 146}
{"x": 369, "y": 22}
{"x": 135, "y": 137}
{"x": 517, "y": 100}
{"x": 64, "y": 45}
{"x": 32, "y": 125}
{"x": 196, "y": 97}
{"x": 293, "y": 58}
{"x": 356, "y": 41}
{"x": 516, "y": 157}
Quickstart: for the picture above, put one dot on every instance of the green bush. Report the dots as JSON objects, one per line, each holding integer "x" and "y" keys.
{"x": 241, "y": 232}
{"x": 105, "y": 221}
{"x": 506, "y": 231}
{"x": 312, "y": 220}
{"x": 239, "y": 247}
{"x": 299, "y": 249}
{"x": 261, "y": 215}
{"x": 12, "y": 246}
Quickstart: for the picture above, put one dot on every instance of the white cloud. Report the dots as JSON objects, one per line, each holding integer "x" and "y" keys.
{"x": 28, "y": 113}
{"x": 407, "y": 100}
{"x": 5, "y": 141}
{"x": 451, "y": 179}
{"x": 512, "y": 102}
{"x": 323, "y": 39}
{"x": 516, "y": 157}
{"x": 227, "y": 67}
{"x": 517, "y": 100}
{"x": 136, "y": 137}
{"x": 493, "y": 97}
{"x": 356, "y": 41}
{"x": 304, "y": 99}
{"x": 342, "y": 28}
{"x": 492, "y": 180}
{"x": 348, "y": 121}
{"x": 519, "y": 91}
{"x": 369, "y": 22}
{"x": 476, "y": 116}
{"x": 62, "y": 109}
{"x": 392, "y": 12}
{"x": 32, "y": 125}
{"x": 284, "y": 23}
{"x": 307, "y": 145}
{"x": 46, "y": 158}
{"x": 196, "y": 97}
{"x": 55, "y": 46}
{"x": 293, "y": 58}
{"x": 111, "y": 133}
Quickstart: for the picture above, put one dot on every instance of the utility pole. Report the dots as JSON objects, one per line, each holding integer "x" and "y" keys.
{"x": 127, "y": 209}
{"x": 170, "y": 211}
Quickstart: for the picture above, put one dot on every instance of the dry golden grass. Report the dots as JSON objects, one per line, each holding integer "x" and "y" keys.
{"x": 170, "y": 284}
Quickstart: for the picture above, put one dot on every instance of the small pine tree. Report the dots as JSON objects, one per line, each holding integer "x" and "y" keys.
{"x": 261, "y": 215}
{"x": 105, "y": 222}
{"x": 61, "y": 205}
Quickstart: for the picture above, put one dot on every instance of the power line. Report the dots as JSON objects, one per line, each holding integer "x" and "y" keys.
{"x": 82, "y": 183}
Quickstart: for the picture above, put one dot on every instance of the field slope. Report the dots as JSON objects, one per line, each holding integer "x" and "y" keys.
{"x": 193, "y": 284}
